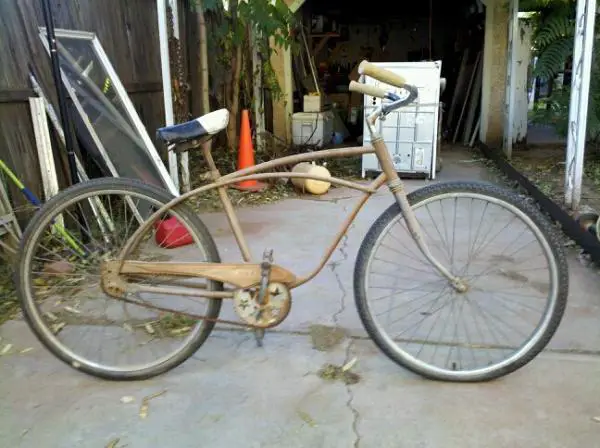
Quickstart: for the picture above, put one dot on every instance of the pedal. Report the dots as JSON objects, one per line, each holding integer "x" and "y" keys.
{"x": 265, "y": 274}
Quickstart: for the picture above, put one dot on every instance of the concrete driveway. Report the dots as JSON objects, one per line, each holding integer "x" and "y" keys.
{"x": 233, "y": 394}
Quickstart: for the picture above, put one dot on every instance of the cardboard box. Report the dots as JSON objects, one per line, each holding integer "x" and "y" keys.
{"x": 313, "y": 103}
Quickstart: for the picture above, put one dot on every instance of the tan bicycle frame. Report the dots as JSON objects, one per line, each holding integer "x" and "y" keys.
{"x": 248, "y": 274}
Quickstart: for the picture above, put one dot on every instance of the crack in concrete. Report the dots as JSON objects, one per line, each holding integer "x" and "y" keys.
{"x": 350, "y": 402}
{"x": 334, "y": 265}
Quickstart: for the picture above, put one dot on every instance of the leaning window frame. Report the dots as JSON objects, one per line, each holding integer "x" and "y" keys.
{"x": 123, "y": 96}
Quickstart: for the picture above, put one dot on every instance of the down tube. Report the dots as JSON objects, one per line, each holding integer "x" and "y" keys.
{"x": 375, "y": 185}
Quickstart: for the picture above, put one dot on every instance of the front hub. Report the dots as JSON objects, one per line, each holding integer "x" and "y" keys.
{"x": 460, "y": 285}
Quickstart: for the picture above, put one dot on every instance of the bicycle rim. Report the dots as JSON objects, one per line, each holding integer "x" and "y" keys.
{"x": 403, "y": 349}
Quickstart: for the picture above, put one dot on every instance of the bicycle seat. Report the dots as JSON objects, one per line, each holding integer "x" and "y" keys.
{"x": 209, "y": 124}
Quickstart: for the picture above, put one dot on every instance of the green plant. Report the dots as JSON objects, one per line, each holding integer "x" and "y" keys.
{"x": 229, "y": 38}
{"x": 553, "y": 41}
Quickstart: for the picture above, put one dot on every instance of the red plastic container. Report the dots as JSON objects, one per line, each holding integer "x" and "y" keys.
{"x": 170, "y": 234}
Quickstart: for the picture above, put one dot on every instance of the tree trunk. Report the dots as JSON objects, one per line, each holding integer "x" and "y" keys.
{"x": 203, "y": 58}
{"x": 257, "y": 95}
{"x": 203, "y": 62}
{"x": 234, "y": 103}
{"x": 232, "y": 91}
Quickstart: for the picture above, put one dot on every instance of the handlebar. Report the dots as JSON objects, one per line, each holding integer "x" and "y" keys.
{"x": 366, "y": 89}
{"x": 381, "y": 74}
{"x": 388, "y": 77}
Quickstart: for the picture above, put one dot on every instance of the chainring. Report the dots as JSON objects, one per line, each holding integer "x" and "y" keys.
{"x": 276, "y": 307}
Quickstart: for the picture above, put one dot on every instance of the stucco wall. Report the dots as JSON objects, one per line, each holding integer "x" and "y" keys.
{"x": 494, "y": 72}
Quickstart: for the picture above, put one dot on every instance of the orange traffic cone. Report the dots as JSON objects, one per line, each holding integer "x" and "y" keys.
{"x": 246, "y": 155}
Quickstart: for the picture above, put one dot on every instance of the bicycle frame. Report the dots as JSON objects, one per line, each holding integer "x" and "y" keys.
{"x": 248, "y": 274}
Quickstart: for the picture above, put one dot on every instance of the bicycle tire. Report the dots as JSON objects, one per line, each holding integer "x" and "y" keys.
{"x": 401, "y": 357}
{"x": 28, "y": 244}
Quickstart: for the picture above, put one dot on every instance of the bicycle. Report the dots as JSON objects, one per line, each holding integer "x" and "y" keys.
{"x": 149, "y": 289}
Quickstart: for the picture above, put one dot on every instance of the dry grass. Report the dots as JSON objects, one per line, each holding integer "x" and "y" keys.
{"x": 9, "y": 305}
{"x": 347, "y": 168}
{"x": 545, "y": 168}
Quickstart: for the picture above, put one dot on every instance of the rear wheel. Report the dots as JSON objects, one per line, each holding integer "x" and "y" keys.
{"x": 58, "y": 281}
{"x": 509, "y": 254}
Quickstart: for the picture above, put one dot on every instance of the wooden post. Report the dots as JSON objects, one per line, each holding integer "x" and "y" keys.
{"x": 493, "y": 93}
{"x": 44, "y": 147}
{"x": 281, "y": 61}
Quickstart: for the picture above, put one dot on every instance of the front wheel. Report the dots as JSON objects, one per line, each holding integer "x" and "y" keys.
{"x": 511, "y": 258}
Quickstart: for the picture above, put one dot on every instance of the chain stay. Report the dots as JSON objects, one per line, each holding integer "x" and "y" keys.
{"x": 190, "y": 315}
{"x": 265, "y": 274}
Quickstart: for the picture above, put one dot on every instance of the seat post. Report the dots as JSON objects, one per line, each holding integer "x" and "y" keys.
{"x": 227, "y": 205}
{"x": 214, "y": 171}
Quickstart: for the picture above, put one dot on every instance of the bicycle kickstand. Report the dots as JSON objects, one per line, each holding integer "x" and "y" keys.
{"x": 259, "y": 333}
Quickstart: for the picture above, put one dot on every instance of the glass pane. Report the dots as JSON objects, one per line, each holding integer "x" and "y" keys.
{"x": 106, "y": 111}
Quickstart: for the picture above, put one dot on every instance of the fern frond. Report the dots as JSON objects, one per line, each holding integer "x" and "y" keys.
{"x": 554, "y": 28}
{"x": 552, "y": 60}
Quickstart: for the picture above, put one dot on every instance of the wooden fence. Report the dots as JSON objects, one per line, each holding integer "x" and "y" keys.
{"x": 128, "y": 32}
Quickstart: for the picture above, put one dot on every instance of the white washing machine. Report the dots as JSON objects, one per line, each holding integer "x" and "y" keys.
{"x": 411, "y": 133}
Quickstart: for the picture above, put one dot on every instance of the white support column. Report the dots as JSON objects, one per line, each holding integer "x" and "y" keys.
{"x": 523, "y": 59}
{"x": 580, "y": 90}
{"x": 511, "y": 77}
{"x": 161, "y": 7}
{"x": 184, "y": 162}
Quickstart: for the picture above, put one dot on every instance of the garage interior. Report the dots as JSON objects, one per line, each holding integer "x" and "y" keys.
{"x": 338, "y": 36}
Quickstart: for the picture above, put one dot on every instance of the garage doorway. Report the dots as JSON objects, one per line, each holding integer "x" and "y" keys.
{"x": 340, "y": 35}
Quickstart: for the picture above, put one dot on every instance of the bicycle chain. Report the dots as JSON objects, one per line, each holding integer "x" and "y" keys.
{"x": 190, "y": 315}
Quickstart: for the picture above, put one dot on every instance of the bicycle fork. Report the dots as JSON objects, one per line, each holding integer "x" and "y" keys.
{"x": 396, "y": 186}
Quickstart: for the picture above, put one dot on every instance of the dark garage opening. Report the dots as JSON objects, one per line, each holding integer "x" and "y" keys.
{"x": 339, "y": 35}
